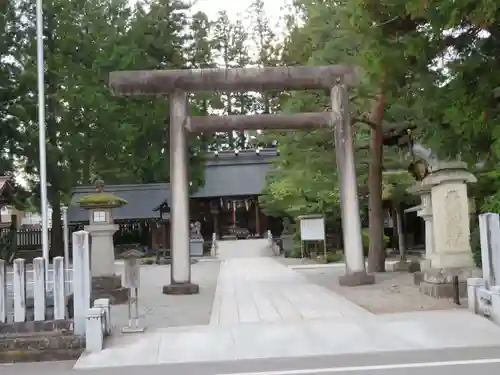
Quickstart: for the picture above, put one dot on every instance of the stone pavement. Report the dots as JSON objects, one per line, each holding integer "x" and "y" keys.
{"x": 261, "y": 290}
{"x": 263, "y": 310}
{"x": 157, "y": 310}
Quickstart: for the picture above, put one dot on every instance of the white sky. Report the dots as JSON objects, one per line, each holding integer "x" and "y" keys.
{"x": 234, "y": 8}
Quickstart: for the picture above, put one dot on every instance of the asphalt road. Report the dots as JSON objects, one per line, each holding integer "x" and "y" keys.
{"x": 458, "y": 361}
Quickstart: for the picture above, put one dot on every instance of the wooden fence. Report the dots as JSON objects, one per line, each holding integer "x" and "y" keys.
{"x": 31, "y": 238}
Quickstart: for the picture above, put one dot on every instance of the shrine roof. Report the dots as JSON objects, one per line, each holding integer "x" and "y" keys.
{"x": 227, "y": 174}
{"x": 142, "y": 200}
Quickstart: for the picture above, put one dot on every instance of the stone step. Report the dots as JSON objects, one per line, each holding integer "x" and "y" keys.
{"x": 40, "y": 346}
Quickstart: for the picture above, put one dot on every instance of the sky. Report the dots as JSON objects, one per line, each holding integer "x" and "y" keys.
{"x": 235, "y": 7}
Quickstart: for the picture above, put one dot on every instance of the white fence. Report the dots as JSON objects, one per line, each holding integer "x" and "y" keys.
{"x": 34, "y": 292}
{"x": 484, "y": 293}
{"x": 41, "y": 293}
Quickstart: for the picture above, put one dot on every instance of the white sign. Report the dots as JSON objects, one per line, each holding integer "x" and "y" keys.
{"x": 99, "y": 217}
{"x": 312, "y": 229}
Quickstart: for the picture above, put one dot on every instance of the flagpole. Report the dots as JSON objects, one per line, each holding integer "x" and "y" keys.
{"x": 41, "y": 129}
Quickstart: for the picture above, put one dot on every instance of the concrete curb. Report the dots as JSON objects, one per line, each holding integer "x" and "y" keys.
{"x": 328, "y": 265}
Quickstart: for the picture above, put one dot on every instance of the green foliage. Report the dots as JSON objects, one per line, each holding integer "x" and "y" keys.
{"x": 475, "y": 244}
{"x": 394, "y": 185}
{"x": 334, "y": 257}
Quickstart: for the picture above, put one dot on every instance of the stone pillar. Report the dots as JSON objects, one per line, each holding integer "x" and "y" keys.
{"x": 349, "y": 205}
{"x": 105, "y": 283}
{"x": 101, "y": 229}
{"x": 451, "y": 255}
{"x": 180, "y": 271}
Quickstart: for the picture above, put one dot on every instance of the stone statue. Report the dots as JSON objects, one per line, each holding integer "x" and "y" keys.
{"x": 288, "y": 227}
{"x": 195, "y": 229}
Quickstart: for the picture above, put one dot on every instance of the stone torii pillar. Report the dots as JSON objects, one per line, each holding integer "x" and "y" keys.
{"x": 180, "y": 274}
{"x": 177, "y": 83}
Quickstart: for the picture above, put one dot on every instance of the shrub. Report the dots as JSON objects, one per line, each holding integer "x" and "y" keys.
{"x": 334, "y": 257}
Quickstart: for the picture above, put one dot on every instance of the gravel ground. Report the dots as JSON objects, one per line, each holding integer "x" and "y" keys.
{"x": 393, "y": 292}
{"x": 157, "y": 310}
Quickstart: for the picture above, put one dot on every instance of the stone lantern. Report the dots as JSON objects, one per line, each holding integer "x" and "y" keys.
{"x": 105, "y": 284}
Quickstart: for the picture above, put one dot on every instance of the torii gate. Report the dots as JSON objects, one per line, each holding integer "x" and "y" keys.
{"x": 177, "y": 83}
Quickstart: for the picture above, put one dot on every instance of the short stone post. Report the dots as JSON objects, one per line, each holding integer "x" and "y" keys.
{"x": 94, "y": 335}
{"x": 473, "y": 286}
{"x": 39, "y": 288}
{"x": 105, "y": 306}
{"x": 3, "y": 291}
{"x": 81, "y": 280}
{"x": 19, "y": 291}
{"x": 105, "y": 284}
{"x": 59, "y": 291}
{"x": 495, "y": 304}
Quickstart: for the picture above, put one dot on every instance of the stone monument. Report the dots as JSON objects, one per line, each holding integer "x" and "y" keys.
{"x": 445, "y": 201}
{"x": 288, "y": 236}
{"x": 196, "y": 240}
{"x": 105, "y": 284}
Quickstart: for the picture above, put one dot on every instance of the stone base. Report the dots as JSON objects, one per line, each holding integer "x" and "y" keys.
{"x": 418, "y": 277}
{"x": 181, "y": 289}
{"x": 49, "y": 340}
{"x": 439, "y": 282}
{"x": 109, "y": 287}
{"x": 356, "y": 279}
{"x": 446, "y": 290}
{"x": 403, "y": 266}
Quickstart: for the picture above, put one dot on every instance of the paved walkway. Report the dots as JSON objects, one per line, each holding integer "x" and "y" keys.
{"x": 261, "y": 290}
{"x": 263, "y": 309}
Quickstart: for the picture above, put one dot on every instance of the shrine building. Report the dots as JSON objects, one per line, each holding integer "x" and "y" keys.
{"x": 228, "y": 199}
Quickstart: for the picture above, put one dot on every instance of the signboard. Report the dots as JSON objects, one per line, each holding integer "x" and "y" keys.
{"x": 312, "y": 228}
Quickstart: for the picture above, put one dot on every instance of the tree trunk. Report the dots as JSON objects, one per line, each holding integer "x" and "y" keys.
{"x": 376, "y": 251}
{"x": 400, "y": 232}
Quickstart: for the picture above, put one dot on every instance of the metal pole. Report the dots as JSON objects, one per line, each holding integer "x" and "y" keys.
{"x": 41, "y": 129}
{"x": 349, "y": 205}
{"x": 66, "y": 237}
{"x": 181, "y": 262}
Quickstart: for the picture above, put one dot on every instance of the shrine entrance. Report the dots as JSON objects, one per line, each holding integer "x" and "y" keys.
{"x": 178, "y": 83}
